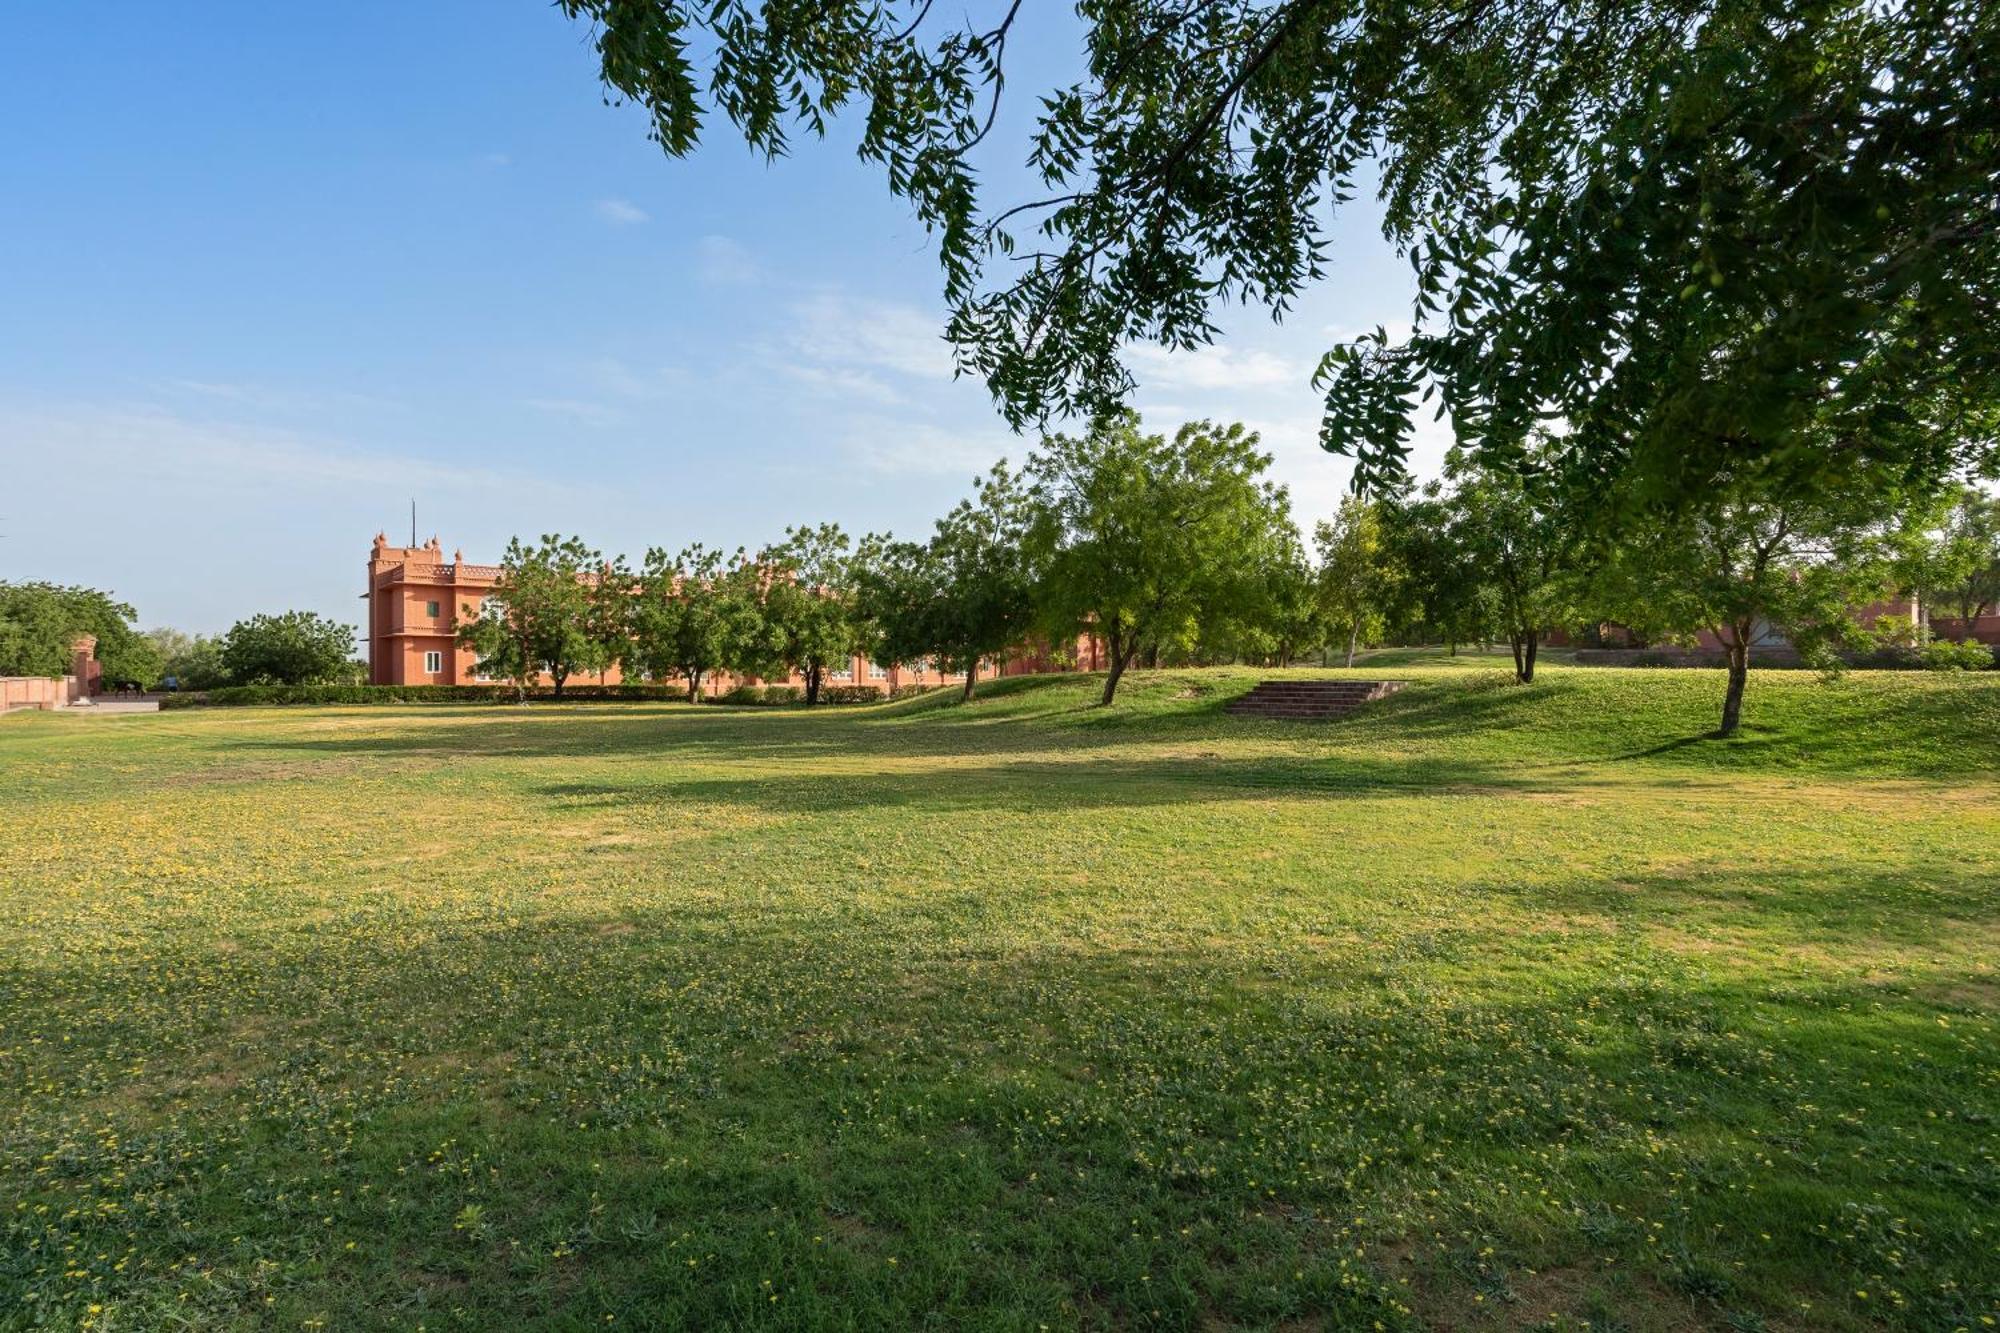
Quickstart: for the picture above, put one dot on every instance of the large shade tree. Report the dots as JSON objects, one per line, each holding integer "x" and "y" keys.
{"x": 1764, "y": 561}
{"x": 1706, "y": 234}
{"x": 1141, "y": 538}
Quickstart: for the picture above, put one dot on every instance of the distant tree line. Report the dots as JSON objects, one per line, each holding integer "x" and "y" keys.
{"x": 40, "y": 623}
{"x": 1179, "y": 550}
{"x": 1168, "y": 550}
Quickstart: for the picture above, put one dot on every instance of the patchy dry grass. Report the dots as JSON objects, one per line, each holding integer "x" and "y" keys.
{"x": 1489, "y": 1008}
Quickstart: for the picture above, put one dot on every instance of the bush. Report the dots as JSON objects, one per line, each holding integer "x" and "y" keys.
{"x": 850, "y": 694}
{"x": 911, "y": 691}
{"x": 1943, "y": 655}
{"x": 761, "y": 694}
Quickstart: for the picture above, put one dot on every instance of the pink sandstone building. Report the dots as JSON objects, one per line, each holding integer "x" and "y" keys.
{"x": 417, "y": 599}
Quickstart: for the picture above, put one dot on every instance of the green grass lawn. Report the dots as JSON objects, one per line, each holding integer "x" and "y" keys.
{"x": 1489, "y": 1007}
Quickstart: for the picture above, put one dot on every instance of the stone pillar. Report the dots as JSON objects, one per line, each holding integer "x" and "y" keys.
{"x": 84, "y": 669}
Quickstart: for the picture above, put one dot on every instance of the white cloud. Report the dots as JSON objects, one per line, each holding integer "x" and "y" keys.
{"x": 1215, "y": 367}
{"x": 156, "y": 446}
{"x": 845, "y": 382}
{"x": 621, "y": 212}
{"x": 832, "y": 328}
{"x": 899, "y": 448}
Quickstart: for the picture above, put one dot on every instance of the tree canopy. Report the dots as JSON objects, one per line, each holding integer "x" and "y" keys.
{"x": 558, "y": 608}
{"x": 40, "y": 623}
{"x": 1705, "y": 235}
{"x": 1139, "y": 538}
{"x": 291, "y": 648}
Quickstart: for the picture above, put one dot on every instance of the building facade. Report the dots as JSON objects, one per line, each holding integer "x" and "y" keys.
{"x": 417, "y": 600}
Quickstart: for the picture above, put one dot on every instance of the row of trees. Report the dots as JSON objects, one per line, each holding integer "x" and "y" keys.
{"x": 1179, "y": 549}
{"x": 40, "y": 623}
{"x": 1514, "y": 553}
{"x": 1140, "y": 539}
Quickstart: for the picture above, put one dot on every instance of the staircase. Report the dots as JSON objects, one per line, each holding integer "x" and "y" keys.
{"x": 1310, "y": 700}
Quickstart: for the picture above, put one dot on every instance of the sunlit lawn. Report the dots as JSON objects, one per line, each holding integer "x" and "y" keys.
{"x": 1491, "y": 1007}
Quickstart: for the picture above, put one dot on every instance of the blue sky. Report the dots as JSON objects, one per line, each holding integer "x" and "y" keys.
{"x": 269, "y": 271}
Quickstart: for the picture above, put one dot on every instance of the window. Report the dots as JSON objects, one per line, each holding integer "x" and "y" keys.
{"x": 433, "y": 662}
{"x": 431, "y": 610}
{"x": 841, "y": 669}
{"x": 877, "y": 671}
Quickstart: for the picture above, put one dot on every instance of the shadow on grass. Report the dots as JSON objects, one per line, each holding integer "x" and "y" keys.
{"x": 543, "y": 1123}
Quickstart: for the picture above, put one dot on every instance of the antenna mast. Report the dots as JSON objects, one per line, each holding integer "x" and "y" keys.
{"x": 413, "y": 521}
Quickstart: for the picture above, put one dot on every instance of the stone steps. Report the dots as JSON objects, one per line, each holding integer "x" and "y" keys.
{"x": 1310, "y": 700}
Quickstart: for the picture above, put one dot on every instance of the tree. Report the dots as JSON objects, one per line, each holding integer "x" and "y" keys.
{"x": 1354, "y": 573}
{"x": 1758, "y": 561}
{"x": 40, "y": 623}
{"x": 805, "y": 621}
{"x": 1519, "y": 533}
{"x": 557, "y": 608}
{"x": 292, "y": 648}
{"x": 1137, "y": 537}
{"x": 1697, "y": 231}
{"x": 686, "y": 614}
{"x": 1294, "y": 619}
{"x": 1969, "y": 562}
{"x": 193, "y": 661}
{"x": 961, "y": 598}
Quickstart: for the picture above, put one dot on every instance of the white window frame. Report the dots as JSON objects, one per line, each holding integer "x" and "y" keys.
{"x": 877, "y": 671}
{"x": 433, "y": 662}
{"x": 844, "y": 671}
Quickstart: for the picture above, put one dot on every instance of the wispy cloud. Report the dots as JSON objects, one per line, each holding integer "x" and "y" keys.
{"x": 891, "y": 447}
{"x": 1214, "y": 367}
{"x": 833, "y": 328}
{"x": 845, "y": 382}
{"x": 155, "y": 445}
{"x": 621, "y": 212}
{"x": 580, "y": 410}
{"x": 725, "y": 263}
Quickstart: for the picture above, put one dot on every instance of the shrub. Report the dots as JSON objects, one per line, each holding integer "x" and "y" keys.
{"x": 850, "y": 694}
{"x": 264, "y": 695}
{"x": 783, "y": 694}
{"x": 911, "y": 691}
{"x": 1943, "y": 655}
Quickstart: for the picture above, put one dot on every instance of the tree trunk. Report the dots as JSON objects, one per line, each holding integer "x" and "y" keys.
{"x": 559, "y": 677}
{"x": 1514, "y": 642}
{"x": 1739, "y": 676}
{"x": 1533, "y": 642}
{"x": 1118, "y": 663}
{"x": 971, "y": 679}
{"x": 694, "y": 687}
{"x": 812, "y": 685}
{"x": 1353, "y": 636}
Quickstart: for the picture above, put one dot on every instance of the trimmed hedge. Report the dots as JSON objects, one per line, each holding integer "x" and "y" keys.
{"x": 234, "y": 696}
{"x": 242, "y": 696}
